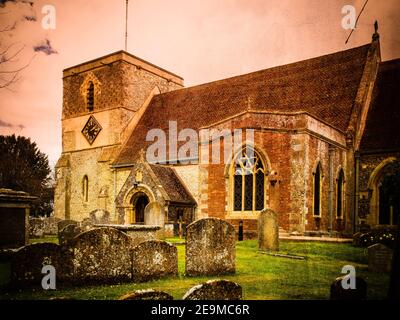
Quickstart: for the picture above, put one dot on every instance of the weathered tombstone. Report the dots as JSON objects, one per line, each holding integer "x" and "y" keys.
{"x": 36, "y": 227}
{"x": 68, "y": 233}
{"x": 268, "y": 231}
{"x": 153, "y": 214}
{"x": 28, "y": 261}
{"x": 14, "y": 218}
{"x": 357, "y": 239}
{"x": 210, "y": 247}
{"x": 101, "y": 255}
{"x": 100, "y": 216}
{"x": 86, "y": 224}
{"x": 154, "y": 259}
{"x": 337, "y": 291}
{"x": 148, "y": 294}
{"x": 51, "y": 225}
{"x": 379, "y": 258}
{"x": 215, "y": 290}
{"x": 63, "y": 223}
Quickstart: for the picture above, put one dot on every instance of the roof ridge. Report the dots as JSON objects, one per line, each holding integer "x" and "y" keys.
{"x": 260, "y": 71}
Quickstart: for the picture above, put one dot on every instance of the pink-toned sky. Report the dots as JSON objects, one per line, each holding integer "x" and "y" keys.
{"x": 201, "y": 40}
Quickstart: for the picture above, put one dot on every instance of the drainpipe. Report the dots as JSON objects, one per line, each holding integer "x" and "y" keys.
{"x": 115, "y": 196}
{"x": 356, "y": 189}
{"x": 330, "y": 194}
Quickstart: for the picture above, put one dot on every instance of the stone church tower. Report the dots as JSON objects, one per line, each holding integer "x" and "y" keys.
{"x": 103, "y": 99}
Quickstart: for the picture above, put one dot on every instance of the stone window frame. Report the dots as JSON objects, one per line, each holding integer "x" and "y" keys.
{"x": 85, "y": 188}
{"x": 343, "y": 193}
{"x": 373, "y": 187}
{"x": 317, "y": 168}
{"x": 229, "y": 175}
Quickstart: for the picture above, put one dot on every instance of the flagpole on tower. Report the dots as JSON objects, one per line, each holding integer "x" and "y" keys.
{"x": 126, "y": 25}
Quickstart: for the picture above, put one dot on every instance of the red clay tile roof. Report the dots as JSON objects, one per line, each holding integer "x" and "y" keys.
{"x": 325, "y": 87}
{"x": 382, "y": 130}
{"x": 172, "y": 185}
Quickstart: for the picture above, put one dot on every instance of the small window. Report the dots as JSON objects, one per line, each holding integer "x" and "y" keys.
{"x": 90, "y": 97}
{"x": 340, "y": 194}
{"x": 317, "y": 191}
{"x": 85, "y": 188}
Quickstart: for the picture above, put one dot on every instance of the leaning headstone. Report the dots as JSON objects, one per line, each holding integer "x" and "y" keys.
{"x": 28, "y": 261}
{"x": 379, "y": 258}
{"x": 63, "y": 223}
{"x": 215, "y": 290}
{"x": 337, "y": 291}
{"x": 36, "y": 227}
{"x": 268, "y": 231}
{"x": 100, "y": 216}
{"x": 68, "y": 233}
{"x": 154, "y": 259}
{"x": 210, "y": 247}
{"x": 148, "y": 294}
{"x": 101, "y": 255}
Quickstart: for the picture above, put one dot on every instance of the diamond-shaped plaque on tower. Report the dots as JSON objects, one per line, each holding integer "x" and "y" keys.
{"x": 91, "y": 129}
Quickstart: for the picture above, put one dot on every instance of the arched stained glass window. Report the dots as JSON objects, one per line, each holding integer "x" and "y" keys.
{"x": 248, "y": 182}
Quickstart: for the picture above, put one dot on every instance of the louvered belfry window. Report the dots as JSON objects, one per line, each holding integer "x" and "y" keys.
{"x": 90, "y": 97}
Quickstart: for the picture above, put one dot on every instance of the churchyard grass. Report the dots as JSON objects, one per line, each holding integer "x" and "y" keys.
{"x": 261, "y": 276}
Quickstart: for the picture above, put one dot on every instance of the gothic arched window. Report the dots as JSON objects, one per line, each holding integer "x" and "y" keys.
{"x": 90, "y": 97}
{"x": 248, "y": 176}
{"x": 85, "y": 188}
{"x": 317, "y": 190}
{"x": 340, "y": 194}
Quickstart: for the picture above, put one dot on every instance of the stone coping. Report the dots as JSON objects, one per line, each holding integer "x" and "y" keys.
{"x": 130, "y": 227}
{"x": 317, "y": 239}
{"x": 9, "y": 195}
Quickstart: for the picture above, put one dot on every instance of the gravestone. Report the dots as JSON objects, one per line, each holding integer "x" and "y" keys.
{"x": 51, "y": 225}
{"x": 100, "y": 216}
{"x": 63, "y": 223}
{"x": 153, "y": 214}
{"x": 36, "y": 227}
{"x": 68, "y": 233}
{"x": 379, "y": 258}
{"x": 86, "y": 224}
{"x": 28, "y": 261}
{"x": 148, "y": 294}
{"x": 210, "y": 247}
{"x": 337, "y": 292}
{"x": 357, "y": 239}
{"x": 215, "y": 290}
{"x": 154, "y": 259}
{"x": 101, "y": 255}
{"x": 268, "y": 231}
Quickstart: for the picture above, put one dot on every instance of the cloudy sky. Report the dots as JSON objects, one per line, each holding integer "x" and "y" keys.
{"x": 201, "y": 40}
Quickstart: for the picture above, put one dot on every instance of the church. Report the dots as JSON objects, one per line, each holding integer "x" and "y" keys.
{"x": 325, "y": 144}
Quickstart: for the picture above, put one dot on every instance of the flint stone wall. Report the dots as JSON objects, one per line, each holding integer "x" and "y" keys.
{"x": 215, "y": 290}
{"x": 154, "y": 259}
{"x": 210, "y": 247}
